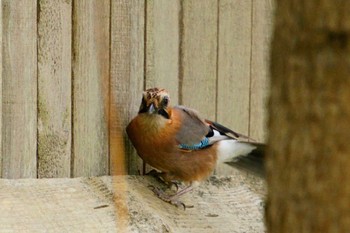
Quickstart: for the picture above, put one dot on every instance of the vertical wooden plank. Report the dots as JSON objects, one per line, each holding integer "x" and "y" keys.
{"x": 162, "y": 46}
{"x": 54, "y": 88}
{"x": 261, "y": 35}
{"x": 199, "y": 56}
{"x": 127, "y": 72}
{"x": 19, "y": 89}
{"x": 234, "y": 67}
{"x": 1, "y": 155}
{"x": 90, "y": 82}
{"x": 234, "y": 64}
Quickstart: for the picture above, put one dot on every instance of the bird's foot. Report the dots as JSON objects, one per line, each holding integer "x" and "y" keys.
{"x": 160, "y": 177}
{"x": 171, "y": 199}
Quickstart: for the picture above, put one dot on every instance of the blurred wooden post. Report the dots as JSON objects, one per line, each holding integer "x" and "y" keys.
{"x": 308, "y": 160}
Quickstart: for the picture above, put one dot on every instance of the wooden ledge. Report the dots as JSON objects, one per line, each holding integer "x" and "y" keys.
{"x": 222, "y": 204}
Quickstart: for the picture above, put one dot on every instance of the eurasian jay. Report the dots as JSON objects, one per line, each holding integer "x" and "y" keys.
{"x": 179, "y": 143}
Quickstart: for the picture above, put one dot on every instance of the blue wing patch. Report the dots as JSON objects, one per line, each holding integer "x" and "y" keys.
{"x": 202, "y": 144}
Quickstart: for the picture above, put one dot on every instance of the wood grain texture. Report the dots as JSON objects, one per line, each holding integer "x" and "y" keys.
{"x": 199, "y": 56}
{"x": 127, "y": 75}
{"x": 224, "y": 205}
{"x": 308, "y": 154}
{"x": 54, "y": 88}
{"x": 162, "y": 46}
{"x": 1, "y": 78}
{"x": 261, "y": 38}
{"x": 19, "y": 100}
{"x": 90, "y": 87}
{"x": 234, "y": 63}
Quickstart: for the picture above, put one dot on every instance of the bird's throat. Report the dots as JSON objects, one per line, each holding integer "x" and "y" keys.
{"x": 152, "y": 123}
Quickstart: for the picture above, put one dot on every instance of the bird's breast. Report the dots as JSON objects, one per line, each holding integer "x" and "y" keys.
{"x": 155, "y": 141}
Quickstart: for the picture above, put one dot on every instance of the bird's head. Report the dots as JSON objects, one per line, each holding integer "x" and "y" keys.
{"x": 155, "y": 101}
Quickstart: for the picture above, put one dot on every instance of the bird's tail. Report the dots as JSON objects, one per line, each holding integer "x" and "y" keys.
{"x": 253, "y": 161}
{"x": 247, "y": 156}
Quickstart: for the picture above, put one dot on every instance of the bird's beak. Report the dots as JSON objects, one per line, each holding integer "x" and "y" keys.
{"x": 151, "y": 109}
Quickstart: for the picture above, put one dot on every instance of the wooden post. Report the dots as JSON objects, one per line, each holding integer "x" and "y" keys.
{"x": 308, "y": 160}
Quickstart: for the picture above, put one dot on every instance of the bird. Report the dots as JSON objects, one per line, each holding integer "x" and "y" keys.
{"x": 181, "y": 145}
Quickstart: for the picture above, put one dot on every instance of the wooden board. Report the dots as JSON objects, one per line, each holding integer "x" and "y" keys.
{"x": 198, "y": 28}
{"x": 261, "y": 38}
{"x": 162, "y": 46}
{"x": 94, "y": 60}
{"x": 127, "y": 73}
{"x": 1, "y": 155}
{"x": 54, "y": 85}
{"x": 19, "y": 96}
{"x": 226, "y": 204}
{"x": 90, "y": 87}
{"x": 234, "y": 62}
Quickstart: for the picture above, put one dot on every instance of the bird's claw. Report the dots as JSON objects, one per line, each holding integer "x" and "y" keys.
{"x": 176, "y": 184}
{"x": 171, "y": 199}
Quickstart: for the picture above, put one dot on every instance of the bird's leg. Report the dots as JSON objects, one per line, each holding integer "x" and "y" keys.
{"x": 173, "y": 199}
{"x": 164, "y": 178}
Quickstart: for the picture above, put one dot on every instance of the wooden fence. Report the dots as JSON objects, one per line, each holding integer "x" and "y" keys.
{"x": 68, "y": 66}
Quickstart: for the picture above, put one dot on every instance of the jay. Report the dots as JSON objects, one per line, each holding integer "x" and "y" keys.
{"x": 182, "y": 145}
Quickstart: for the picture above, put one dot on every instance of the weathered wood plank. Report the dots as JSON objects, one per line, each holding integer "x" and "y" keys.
{"x": 90, "y": 82}
{"x": 19, "y": 100}
{"x": 234, "y": 67}
{"x": 1, "y": 156}
{"x": 162, "y": 46}
{"x": 127, "y": 77}
{"x": 198, "y": 60}
{"x": 261, "y": 35}
{"x": 54, "y": 85}
{"x": 234, "y": 64}
{"x": 224, "y": 205}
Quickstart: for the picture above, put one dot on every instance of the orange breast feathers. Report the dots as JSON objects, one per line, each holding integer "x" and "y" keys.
{"x": 154, "y": 138}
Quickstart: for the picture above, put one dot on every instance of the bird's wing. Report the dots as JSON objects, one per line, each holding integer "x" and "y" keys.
{"x": 193, "y": 129}
{"x": 196, "y": 133}
{"x": 228, "y": 132}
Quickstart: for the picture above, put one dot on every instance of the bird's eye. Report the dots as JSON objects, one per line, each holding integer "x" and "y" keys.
{"x": 165, "y": 101}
